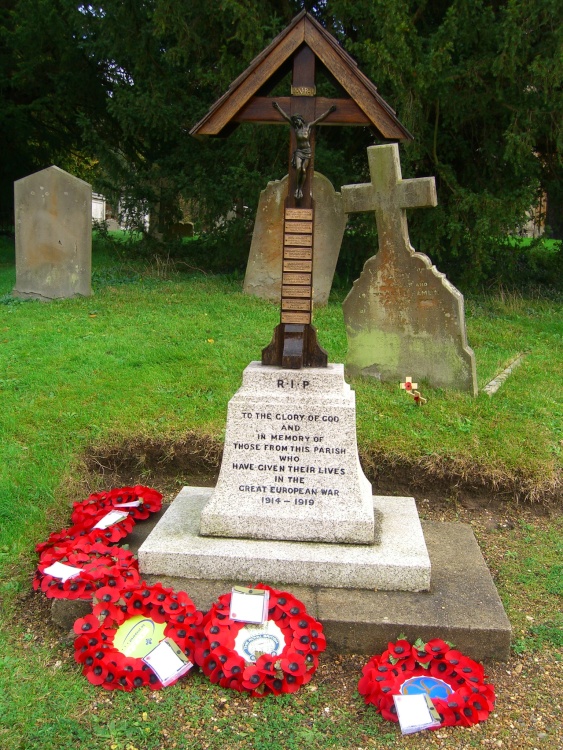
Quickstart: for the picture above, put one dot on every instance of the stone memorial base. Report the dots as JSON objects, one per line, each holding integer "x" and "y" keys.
{"x": 462, "y": 605}
{"x": 399, "y": 563}
{"x": 290, "y": 468}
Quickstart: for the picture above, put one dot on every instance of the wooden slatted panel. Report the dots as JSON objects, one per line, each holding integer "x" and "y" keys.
{"x": 298, "y": 253}
{"x": 299, "y": 214}
{"x": 299, "y": 240}
{"x": 297, "y": 289}
{"x": 298, "y": 265}
{"x": 301, "y": 227}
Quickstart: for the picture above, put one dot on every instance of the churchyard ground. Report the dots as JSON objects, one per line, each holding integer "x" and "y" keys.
{"x": 132, "y": 384}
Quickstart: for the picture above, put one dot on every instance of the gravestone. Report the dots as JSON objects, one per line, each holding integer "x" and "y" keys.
{"x": 402, "y": 315}
{"x": 264, "y": 269}
{"x": 53, "y": 220}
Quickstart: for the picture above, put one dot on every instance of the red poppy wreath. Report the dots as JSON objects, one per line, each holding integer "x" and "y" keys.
{"x": 276, "y": 657}
{"x": 125, "y": 626}
{"x": 97, "y": 564}
{"x": 85, "y": 532}
{"x": 454, "y": 682}
{"x": 138, "y": 501}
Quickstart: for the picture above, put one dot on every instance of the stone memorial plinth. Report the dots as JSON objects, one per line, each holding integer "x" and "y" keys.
{"x": 53, "y": 220}
{"x": 292, "y": 504}
{"x": 290, "y": 466}
{"x": 176, "y": 550}
{"x": 264, "y": 268}
{"x": 403, "y": 317}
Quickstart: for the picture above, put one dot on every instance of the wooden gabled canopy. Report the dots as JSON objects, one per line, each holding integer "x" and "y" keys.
{"x": 246, "y": 100}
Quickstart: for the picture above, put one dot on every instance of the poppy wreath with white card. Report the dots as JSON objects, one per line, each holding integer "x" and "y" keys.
{"x": 273, "y": 658}
{"x": 99, "y": 522}
{"x": 97, "y": 565}
{"x": 454, "y": 682}
{"x": 84, "y": 532}
{"x": 125, "y": 626}
{"x": 138, "y": 501}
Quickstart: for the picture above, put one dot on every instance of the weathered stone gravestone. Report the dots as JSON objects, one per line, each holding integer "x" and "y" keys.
{"x": 402, "y": 315}
{"x": 264, "y": 269}
{"x": 53, "y": 220}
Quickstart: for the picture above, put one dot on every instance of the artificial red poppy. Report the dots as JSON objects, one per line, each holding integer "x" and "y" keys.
{"x": 437, "y": 648}
{"x": 447, "y": 715}
{"x": 87, "y": 624}
{"x": 97, "y": 674}
{"x": 400, "y": 650}
{"x": 441, "y": 669}
{"x": 292, "y": 664}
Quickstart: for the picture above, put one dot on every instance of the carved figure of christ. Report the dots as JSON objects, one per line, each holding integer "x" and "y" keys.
{"x": 302, "y": 154}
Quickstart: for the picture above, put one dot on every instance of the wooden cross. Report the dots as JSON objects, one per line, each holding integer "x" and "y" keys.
{"x": 294, "y": 344}
{"x": 408, "y": 385}
{"x": 298, "y": 48}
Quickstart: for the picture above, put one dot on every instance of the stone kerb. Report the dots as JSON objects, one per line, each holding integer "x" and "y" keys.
{"x": 290, "y": 467}
{"x": 53, "y": 221}
{"x": 264, "y": 267}
{"x": 403, "y": 317}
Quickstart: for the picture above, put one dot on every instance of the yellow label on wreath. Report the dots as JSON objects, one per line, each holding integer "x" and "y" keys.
{"x": 138, "y": 635}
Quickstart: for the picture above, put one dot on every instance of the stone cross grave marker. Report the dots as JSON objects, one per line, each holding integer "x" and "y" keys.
{"x": 53, "y": 220}
{"x": 402, "y": 314}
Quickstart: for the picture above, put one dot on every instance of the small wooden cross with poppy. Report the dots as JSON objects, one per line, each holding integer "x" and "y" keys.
{"x": 408, "y": 385}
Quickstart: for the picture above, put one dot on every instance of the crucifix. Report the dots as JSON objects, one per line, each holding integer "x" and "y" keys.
{"x": 299, "y": 49}
{"x": 294, "y": 344}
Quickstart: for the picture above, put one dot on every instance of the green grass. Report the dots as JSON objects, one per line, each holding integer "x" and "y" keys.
{"x": 160, "y": 356}
{"x": 531, "y": 579}
{"x": 156, "y": 353}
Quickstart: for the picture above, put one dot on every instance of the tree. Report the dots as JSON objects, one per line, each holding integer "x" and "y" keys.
{"x": 479, "y": 85}
{"x": 47, "y": 85}
{"x": 115, "y": 87}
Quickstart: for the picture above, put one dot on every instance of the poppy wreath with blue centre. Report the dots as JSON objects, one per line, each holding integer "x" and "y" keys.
{"x": 100, "y": 564}
{"x": 106, "y": 665}
{"x": 278, "y": 673}
{"x": 455, "y": 683}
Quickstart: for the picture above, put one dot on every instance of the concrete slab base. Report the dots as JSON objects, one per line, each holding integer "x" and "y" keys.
{"x": 462, "y": 606}
{"x": 399, "y": 563}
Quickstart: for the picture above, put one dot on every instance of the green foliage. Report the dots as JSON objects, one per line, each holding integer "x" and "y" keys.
{"x": 470, "y": 80}
{"x": 532, "y": 564}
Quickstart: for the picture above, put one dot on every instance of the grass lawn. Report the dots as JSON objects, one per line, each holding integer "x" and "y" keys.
{"x": 155, "y": 355}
